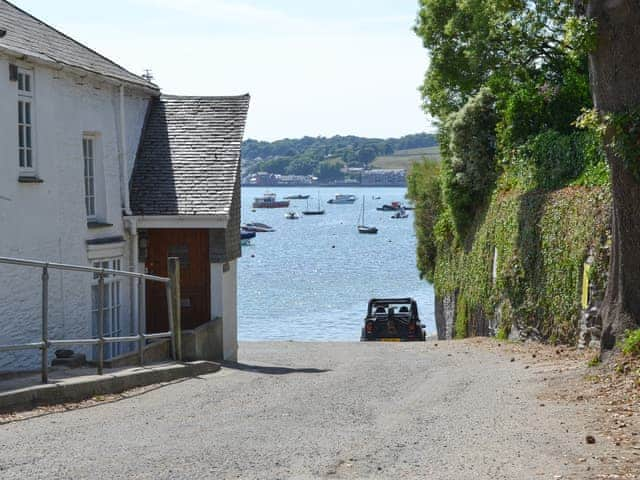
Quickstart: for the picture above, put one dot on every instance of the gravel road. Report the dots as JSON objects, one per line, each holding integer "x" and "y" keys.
{"x": 451, "y": 410}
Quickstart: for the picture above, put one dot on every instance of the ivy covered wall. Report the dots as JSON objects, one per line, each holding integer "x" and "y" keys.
{"x": 523, "y": 266}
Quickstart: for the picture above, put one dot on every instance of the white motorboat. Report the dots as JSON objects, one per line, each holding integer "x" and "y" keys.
{"x": 257, "y": 227}
{"x": 341, "y": 198}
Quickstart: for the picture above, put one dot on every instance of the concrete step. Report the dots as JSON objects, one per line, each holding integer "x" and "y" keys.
{"x": 80, "y": 387}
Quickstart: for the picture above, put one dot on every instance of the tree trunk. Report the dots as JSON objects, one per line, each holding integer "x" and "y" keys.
{"x": 614, "y": 70}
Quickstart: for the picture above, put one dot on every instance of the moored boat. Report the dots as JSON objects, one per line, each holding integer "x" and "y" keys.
{"x": 390, "y": 207}
{"x": 246, "y": 234}
{"x": 268, "y": 200}
{"x": 365, "y": 229}
{"x": 291, "y": 216}
{"x": 299, "y": 196}
{"x": 362, "y": 228}
{"x": 257, "y": 227}
{"x": 400, "y": 214}
{"x": 342, "y": 198}
{"x": 319, "y": 211}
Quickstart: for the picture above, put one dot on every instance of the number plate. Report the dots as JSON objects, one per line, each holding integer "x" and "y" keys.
{"x": 389, "y": 339}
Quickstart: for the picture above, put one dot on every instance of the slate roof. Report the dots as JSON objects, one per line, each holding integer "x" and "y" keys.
{"x": 188, "y": 162}
{"x": 26, "y": 35}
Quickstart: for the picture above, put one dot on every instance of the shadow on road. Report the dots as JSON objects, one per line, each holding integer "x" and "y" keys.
{"x": 270, "y": 370}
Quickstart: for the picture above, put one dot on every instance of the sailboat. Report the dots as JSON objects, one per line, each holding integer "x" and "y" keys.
{"x": 362, "y": 228}
{"x": 319, "y": 211}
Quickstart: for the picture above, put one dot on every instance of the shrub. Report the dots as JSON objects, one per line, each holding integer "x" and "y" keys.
{"x": 502, "y": 333}
{"x": 423, "y": 185}
{"x": 552, "y": 160}
{"x": 594, "y": 361}
{"x": 469, "y": 168}
{"x": 631, "y": 343}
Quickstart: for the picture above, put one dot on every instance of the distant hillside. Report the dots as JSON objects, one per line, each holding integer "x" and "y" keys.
{"x": 314, "y": 156}
{"x": 404, "y": 158}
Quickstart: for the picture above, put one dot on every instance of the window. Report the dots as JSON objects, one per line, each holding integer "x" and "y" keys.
{"x": 25, "y": 121}
{"x": 111, "y": 306}
{"x": 89, "y": 175}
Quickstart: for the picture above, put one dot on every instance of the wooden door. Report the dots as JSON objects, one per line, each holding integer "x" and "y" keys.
{"x": 192, "y": 247}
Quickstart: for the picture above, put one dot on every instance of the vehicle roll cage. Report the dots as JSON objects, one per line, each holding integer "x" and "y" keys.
{"x": 386, "y": 302}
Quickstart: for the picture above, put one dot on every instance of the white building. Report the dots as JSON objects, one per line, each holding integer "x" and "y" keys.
{"x": 74, "y": 127}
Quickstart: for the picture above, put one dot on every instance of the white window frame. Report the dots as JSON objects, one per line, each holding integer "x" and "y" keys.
{"x": 89, "y": 162}
{"x": 26, "y": 131}
{"x": 112, "y": 307}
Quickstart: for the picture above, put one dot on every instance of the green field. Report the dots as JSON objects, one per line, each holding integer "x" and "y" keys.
{"x": 404, "y": 158}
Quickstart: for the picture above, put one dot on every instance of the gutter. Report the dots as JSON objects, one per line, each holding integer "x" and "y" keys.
{"x": 53, "y": 64}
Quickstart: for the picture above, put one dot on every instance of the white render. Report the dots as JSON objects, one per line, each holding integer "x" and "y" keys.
{"x": 45, "y": 218}
{"x": 47, "y": 221}
{"x": 224, "y": 300}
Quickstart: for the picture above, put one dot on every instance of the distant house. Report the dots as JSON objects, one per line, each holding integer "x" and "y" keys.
{"x": 99, "y": 168}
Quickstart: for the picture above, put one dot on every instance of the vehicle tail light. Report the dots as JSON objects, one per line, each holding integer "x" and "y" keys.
{"x": 369, "y": 327}
{"x": 412, "y": 327}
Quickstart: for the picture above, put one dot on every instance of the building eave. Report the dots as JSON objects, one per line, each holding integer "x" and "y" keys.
{"x": 47, "y": 62}
{"x": 181, "y": 221}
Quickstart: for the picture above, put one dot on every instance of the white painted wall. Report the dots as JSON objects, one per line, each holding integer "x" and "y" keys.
{"x": 224, "y": 305}
{"x": 230, "y": 318}
{"x": 47, "y": 221}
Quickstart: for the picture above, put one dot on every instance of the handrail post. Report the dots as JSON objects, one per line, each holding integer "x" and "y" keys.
{"x": 141, "y": 318}
{"x": 173, "y": 299}
{"x": 45, "y": 324}
{"x": 100, "y": 322}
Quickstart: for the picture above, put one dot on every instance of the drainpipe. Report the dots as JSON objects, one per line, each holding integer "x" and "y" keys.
{"x": 124, "y": 160}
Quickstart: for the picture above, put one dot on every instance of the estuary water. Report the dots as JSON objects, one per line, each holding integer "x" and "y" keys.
{"x": 311, "y": 279}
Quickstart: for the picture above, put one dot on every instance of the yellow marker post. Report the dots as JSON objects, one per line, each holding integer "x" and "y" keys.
{"x": 586, "y": 277}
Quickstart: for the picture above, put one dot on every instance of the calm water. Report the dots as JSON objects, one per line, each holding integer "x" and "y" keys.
{"x": 311, "y": 279}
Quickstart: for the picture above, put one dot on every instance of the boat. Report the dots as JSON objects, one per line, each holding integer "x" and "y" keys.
{"x": 291, "y": 216}
{"x": 362, "y": 228}
{"x": 390, "y": 208}
{"x": 342, "y": 198}
{"x": 297, "y": 197}
{"x": 246, "y": 236}
{"x": 319, "y": 211}
{"x": 257, "y": 227}
{"x": 400, "y": 214}
{"x": 268, "y": 200}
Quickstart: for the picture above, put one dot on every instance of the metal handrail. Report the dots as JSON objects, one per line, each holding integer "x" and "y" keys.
{"x": 45, "y": 342}
{"x": 81, "y": 268}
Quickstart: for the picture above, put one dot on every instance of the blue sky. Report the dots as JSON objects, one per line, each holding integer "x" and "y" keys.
{"x": 312, "y": 67}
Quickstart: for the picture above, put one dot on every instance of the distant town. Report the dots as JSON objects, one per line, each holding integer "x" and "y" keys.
{"x": 338, "y": 160}
{"x": 356, "y": 177}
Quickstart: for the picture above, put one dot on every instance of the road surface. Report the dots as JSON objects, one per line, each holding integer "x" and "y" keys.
{"x": 452, "y": 410}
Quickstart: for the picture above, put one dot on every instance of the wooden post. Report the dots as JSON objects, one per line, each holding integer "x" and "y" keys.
{"x": 174, "y": 276}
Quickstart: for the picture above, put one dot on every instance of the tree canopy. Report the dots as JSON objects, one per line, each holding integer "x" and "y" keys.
{"x": 507, "y": 81}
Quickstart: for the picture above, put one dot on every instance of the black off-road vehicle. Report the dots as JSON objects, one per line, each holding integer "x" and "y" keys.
{"x": 392, "y": 320}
